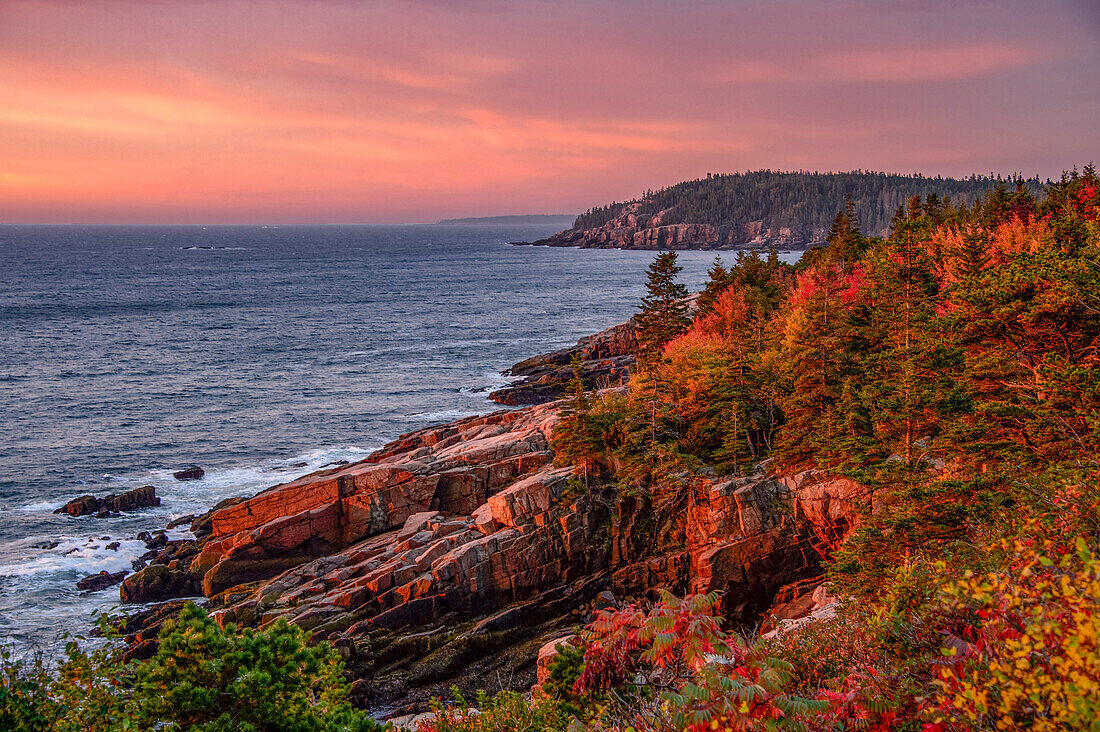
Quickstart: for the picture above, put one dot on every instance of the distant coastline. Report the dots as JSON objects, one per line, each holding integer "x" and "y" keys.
{"x": 565, "y": 220}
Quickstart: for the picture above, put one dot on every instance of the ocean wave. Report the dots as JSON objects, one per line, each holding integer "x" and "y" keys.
{"x": 78, "y": 557}
{"x": 447, "y": 415}
{"x": 179, "y": 498}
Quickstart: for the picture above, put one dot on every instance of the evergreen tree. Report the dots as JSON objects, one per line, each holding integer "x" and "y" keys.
{"x": 575, "y": 440}
{"x": 844, "y": 238}
{"x": 718, "y": 279}
{"x": 664, "y": 310}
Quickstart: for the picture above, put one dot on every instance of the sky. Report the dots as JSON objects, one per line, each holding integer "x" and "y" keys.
{"x": 383, "y": 111}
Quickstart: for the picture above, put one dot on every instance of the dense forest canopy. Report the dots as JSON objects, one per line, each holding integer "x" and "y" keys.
{"x": 802, "y": 201}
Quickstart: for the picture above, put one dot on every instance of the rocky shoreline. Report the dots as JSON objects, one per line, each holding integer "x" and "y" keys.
{"x": 605, "y": 360}
{"x": 632, "y": 229}
{"x": 453, "y": 554}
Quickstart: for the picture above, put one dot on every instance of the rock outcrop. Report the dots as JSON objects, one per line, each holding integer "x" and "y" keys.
{"x": 456, "y": 552}
{"x": 632, "y": 228}
{"x": 606, "y": 359}
{"x": 88, "y": 505}
{"x": 100, "y": 581}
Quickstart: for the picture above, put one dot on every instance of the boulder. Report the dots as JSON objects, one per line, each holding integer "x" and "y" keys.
{"x": 155, "y": 583}
{"x": 89, "y": 505}
{"x": 100, "y": 581}
{"x": 193, "y": 472}
{"x": 547, "y": 653}
{"x": 181, "y": 521}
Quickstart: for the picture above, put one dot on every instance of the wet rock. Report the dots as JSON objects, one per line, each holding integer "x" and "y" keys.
{"x": 89, "y": 505}
{"x": 181, "y": 521}
{"x": 100, "y": 581}
{"x": 52, "y": 544}
{"x": 157, "y": 582}
{"x": 191, "y": 473}
{"x": 138, "y": 564}
{"x": 113, "y": 546}
{"x": 157, "y": 541}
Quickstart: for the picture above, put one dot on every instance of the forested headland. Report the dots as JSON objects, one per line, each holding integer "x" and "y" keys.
{"x": 765, "y": 207}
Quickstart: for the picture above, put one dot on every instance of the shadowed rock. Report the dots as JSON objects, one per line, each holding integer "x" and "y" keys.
{"x": 454, "y": 553}
{"x": 143, "y": 497}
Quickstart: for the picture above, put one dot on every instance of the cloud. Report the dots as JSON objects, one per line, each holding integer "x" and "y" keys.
{"x": 284, "y": 110}
{"x": 916, "y": 64}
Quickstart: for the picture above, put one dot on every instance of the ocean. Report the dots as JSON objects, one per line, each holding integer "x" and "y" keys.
{"x": 257, "y": 353}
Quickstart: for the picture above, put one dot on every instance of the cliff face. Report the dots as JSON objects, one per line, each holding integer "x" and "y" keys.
{"x": 452, "y": 554}
{"x": 632, "y": 229}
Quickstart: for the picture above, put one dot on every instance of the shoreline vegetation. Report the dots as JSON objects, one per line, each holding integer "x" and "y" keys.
{"x": 856, "y": 492}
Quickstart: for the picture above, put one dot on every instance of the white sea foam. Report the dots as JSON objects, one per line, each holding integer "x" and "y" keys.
{"x": 78, "y": 556}
{"x": 181, "y": 497}
{"x": 448, "y": 415}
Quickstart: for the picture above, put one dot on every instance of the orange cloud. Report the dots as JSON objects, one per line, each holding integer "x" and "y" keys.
{"x": 285, "y": 111}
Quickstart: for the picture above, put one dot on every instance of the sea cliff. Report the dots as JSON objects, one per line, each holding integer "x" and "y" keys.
{"x": 453, "y": 554}
{"x": 632, "y": 228}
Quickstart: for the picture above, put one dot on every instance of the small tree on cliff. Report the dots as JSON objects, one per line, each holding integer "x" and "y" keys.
{"x": 575, "y": 441}
{"x": 664, "y": 311}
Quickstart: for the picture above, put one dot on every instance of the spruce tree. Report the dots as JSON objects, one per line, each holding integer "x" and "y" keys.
{"x": 718, "y": 279}
{"x": 844, "y": 238}
{"x": 664, "y": 311}
{"x": 574, "y": 439}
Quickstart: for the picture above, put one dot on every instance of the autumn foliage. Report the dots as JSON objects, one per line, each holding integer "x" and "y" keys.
{"x": 952, "y": 367}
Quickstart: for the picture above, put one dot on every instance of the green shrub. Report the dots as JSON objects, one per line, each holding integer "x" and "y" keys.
{"x": 201, "y": 679}
{"x": 507, "y": 711}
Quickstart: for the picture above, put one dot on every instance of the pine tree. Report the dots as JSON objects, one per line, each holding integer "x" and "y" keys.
{"x": 664, "y": 311}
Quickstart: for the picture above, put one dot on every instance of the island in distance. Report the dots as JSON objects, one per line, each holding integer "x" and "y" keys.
{"x": 760, "y": 210}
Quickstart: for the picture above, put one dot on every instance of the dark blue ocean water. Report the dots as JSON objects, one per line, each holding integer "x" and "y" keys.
{"x": 257, "y": 353}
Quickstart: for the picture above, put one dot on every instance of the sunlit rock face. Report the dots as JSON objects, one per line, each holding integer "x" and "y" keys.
{"x": 466, "y": 536}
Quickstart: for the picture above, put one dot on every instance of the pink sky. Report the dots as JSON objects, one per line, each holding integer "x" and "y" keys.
{"x": 270, "y": 111}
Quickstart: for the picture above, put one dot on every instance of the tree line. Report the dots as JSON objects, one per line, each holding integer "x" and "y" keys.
{"x": 801, "y": 201}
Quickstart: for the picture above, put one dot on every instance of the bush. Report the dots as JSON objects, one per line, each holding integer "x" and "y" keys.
{"x": 202, "y": 678}
{"x": 507, "y": 711}
{"x": 1031, "y": 657}
{"x": 24, "y": 700}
